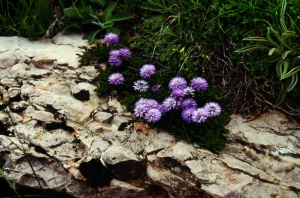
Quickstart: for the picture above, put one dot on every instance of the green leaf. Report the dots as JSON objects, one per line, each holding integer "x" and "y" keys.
{"x": 9, "y": 183}
{"x": 273, "y": 50}
{"x": 113, "y": 29}
{"x": 293, "y": 82}
{"x": 249, "y": 48}
{"x": 99, "y": 2}
{"x": 295, "y": 60}
{"x": 283, "y": 92}
{"x": 291, "y": 72}
{"x": 108, "y": 24}
{"x": 270, "y": 40}
{"x": 108, "y": 11}
{"x": 168, "y": 31}
{"x": 286, "y": 53}
{"x": 98, "y": 24}
{"x": 120, "y": 17}
{"x": 257, "y": 39}
{"x": 279, "y": 67}
{"x": 91, "y": 36}
{"x": 72, "y": 13}
{"x": 152, "y": 7}
{"x": 286, "y": 65}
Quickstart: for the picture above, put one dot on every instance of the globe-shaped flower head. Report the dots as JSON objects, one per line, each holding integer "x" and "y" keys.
{"x": 116, "y": 79}
{"x": 147, "y": 70}
{"x": 111, "y": 38}
{"x": 199, "y": 83}
{"x": 213, "y": 109}
{"x": 125, "y": 53}
{"x": 177, "y": 83}
{"x": 199, "y": 115}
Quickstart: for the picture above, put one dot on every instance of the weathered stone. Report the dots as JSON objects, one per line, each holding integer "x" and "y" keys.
{"x": 9, "y": 82}
{"x": 120, "y": 122}
{"x": 123, "y": 163}
{"x": 103, "y": 117}
{"x": 81, "y": 91}
{"x": 19, "y": 106}
{"x": 14, "y": 92}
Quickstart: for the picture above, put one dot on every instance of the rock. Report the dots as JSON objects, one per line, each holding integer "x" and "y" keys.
{"x": 81, "y": 91}
{"x": 84, "y": 146}
{"x": 123, "y": 163}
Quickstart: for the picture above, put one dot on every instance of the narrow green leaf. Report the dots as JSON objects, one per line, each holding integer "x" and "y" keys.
{"x": 72, "y": 13}
{"x": 283, "y": 92}
{"x": 249, "y": 48}
{"x": 91, "y": 36}
{"x": 108, "y": 24}
{"x": 9, "y": 183}
{"x": 120, "y": 17}
{"x": 291, "y": 72}
{"x": 99, "y": 2}
{"x": 258, "y": 39}
{"x": 271, "y": 41}
{"x": 295, "y": 60}
{"x": 273, "y": 50}
{"x": 108, "y": 11}
{"x": 152, "y": 7}
{"x": 286, "y": 65}
{"x": 286, "y": 53}
{"x": 98, "y": 24}
{"x": 293, "y": 82}
{"x": 279, "y": 67}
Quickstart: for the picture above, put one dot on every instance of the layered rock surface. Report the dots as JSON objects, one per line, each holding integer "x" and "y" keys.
{"x": 84, "y": 146}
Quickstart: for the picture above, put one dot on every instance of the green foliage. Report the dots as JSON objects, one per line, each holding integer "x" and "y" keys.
{"x": 27, "y": 18}
{"x": 98, "y": 16}
{"x": 283, "y": 49}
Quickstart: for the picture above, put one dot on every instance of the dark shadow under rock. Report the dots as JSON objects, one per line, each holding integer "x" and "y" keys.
{"x": 96, "y": 173}
{"x": 128, "y": 170}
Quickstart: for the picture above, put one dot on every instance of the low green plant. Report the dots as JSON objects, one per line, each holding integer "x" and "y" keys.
{"x": 98, "y": 16}
{"x": 283, "y": 49}
{"x": 208, "y": 134}
{"x": 27, "y": 18}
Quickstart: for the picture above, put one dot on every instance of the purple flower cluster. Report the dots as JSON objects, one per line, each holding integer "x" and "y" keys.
{"x": 116, "y": 56}
{"x": 116, "y": 79}
{"x": 111, "y": 38}
{"x": 147, "y": 70}
{"x": 152, "y": 111}
{"x": 147, "y": 109}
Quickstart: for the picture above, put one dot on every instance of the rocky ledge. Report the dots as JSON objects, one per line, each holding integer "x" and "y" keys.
{"x": 80, "y": 145}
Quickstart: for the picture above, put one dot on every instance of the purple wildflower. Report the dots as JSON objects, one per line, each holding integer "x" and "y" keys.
{"x": 115, "y": 61}
{"x": 147, "y": 70}
{"x": 199, "y": 83}
{"x": 168, "y": 104}
{"x": 178, "y": 94}
{"x": 200, "y": 115}
{"x": 125, "y": 53}
{"x": 213, "y": 109}
{"x": 111, "y": 38}
{"x": 151, "y": 104}
{"x": 177, "y": 83}
{"x": 155, "y": 88}
{"x": 141, "y": 85}
{"x": 141, "y": 101}
{"x": 187, "y": 114}
{"x": 188, "y": 103}
{"x": 153, "y": 115}
{"x": 139, "y": 111}
{"x": 116, "y": 79}
{"x": 115, "y": 53}
{"x": 188, "y": 91}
